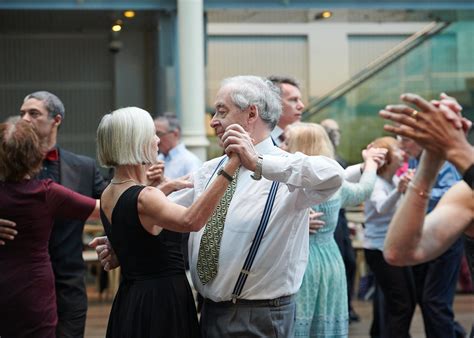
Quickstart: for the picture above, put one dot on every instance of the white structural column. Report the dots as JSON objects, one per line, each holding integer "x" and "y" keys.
{"x": 191, "y": 75}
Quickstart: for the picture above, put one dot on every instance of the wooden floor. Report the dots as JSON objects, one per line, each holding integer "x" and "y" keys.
{"x": 464, "y": 308}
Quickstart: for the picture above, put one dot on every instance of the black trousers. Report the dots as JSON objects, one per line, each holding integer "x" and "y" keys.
{"x": 71, "y": 300}
{"x": 398, "y": 288}
{"x": 435, "y": 288}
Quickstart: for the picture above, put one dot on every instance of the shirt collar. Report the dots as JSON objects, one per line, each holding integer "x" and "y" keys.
{"x": 266, "y": 146}
{"x": 276, "y": 132}
{"x": 52, "y": 155}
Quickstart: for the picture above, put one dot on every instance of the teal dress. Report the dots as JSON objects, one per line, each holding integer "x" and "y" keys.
{"x": 321, "y": 302}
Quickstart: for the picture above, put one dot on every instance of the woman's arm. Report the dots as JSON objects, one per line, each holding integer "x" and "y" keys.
{"x": 157, "y": 212}
{"x": 383, "y": 201}
{"x": 413, "y": 239}
{"x": 355, "y": 193}
{"x": 167, "y": 186}
{"x": 95, "y": 214}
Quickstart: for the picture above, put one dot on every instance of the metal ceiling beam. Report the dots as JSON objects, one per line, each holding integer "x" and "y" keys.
{"x": 236, "y": 4}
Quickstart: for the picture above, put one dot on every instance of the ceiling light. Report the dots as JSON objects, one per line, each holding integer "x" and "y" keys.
{"x": 116, "y": 28}
{"x": 323, "y": 15}
{"x": 129, "y": 14}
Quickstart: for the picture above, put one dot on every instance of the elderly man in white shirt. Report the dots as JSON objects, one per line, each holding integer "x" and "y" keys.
{"x": 251, "y": 294}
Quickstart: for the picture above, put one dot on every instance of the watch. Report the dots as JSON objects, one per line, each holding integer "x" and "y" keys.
{"x": 222, "y": 172}
{"x": 257, "y": 174}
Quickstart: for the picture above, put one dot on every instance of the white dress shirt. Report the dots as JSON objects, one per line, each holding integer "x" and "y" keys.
{"x": 281, "y": 260}
{"x": 275, "y": 135}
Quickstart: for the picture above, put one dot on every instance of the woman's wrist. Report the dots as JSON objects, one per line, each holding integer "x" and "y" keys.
{"x": 369, "y": 164}
{"x": 430, "y": 164}
{"x": 462, "y": 157}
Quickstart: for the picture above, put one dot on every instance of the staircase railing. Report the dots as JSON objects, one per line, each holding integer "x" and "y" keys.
{"x": 387, "y": 58}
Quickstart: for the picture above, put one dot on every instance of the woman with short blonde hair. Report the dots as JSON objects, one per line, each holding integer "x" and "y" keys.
{"x": 321, "y": 302}
{"x": 144, "y": 228}
{"x": 308, "y": 138}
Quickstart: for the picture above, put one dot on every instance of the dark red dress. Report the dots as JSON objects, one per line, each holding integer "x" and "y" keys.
{"x": 27, "y": 295}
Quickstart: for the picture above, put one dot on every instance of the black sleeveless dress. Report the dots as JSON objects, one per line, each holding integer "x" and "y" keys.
{"x": 154, "y": 298}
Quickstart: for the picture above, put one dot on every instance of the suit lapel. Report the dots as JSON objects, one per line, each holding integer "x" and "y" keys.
{"x": 70, "y": 177}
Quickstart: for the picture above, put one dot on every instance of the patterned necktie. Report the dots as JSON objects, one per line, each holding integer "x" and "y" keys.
{"x": 208, "y": 257}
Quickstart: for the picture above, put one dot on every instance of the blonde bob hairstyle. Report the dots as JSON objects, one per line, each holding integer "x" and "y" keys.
{"x": 310, "y": 139}
{"x": 126, "y": 136}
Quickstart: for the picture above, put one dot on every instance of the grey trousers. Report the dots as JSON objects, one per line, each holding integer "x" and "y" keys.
{"x": 249, "y": 318}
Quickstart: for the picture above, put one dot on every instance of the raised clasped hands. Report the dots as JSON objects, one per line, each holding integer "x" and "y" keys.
{"x": 437, "y": 126}
{"x": 236, "y": 140}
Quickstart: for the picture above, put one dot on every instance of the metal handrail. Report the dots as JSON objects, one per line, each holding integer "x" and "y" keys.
{"x": 376, "y": 66}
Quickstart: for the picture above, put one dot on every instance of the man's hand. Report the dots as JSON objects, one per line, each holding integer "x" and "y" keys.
{"x": 105, "y": 253}
{"x": 155, "y": 174}
{"x": 452, "y": 111}
{"x": 7, "y": 231}
{"x": 431, "y": 126}
{"x": 237, "y": 140}
{"x": 314, "y": 222}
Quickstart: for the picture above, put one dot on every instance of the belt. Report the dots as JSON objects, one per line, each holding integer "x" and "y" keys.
{"x": 284, "y": 300}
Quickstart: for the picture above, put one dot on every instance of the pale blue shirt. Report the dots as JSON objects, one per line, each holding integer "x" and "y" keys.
{"x": 282, "y": 256}
{"x": 447, "y": 177}
{"x": 180, "y": 161}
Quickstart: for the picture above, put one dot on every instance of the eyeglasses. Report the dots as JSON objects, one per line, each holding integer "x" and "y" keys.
{"x": 163, "y": 133}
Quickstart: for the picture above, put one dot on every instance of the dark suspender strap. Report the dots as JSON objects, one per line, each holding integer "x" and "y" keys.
{"x": 255, "y": 243}
{"x": 215, "y": 170}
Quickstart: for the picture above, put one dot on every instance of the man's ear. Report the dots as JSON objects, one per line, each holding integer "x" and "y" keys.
{"x": 57, "y": 120}
{"x": 253, "y": 113}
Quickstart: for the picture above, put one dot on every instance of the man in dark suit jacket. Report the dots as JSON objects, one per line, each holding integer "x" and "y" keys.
{"x": 342, "y": 233}
{"x": 79, "y": 173}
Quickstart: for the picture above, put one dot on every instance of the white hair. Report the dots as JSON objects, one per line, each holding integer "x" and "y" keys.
{"x": 254, "y": 90}
{"x": 126, "y": 136}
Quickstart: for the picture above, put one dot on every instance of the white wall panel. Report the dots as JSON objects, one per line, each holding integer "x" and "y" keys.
{"x": 255, "y": 55}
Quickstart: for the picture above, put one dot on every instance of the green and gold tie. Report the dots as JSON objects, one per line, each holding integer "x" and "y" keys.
{"x": 208, "y": 257}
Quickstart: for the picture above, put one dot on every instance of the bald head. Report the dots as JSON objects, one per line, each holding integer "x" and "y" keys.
{"x": 329, "y": 124}
{"x": 334, "y": 133}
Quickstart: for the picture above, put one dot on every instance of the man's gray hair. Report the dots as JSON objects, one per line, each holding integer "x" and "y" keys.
{"x": 254, "y": 90}
{"x": 172, "y": 119}
{"x": 52, "y": 103}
